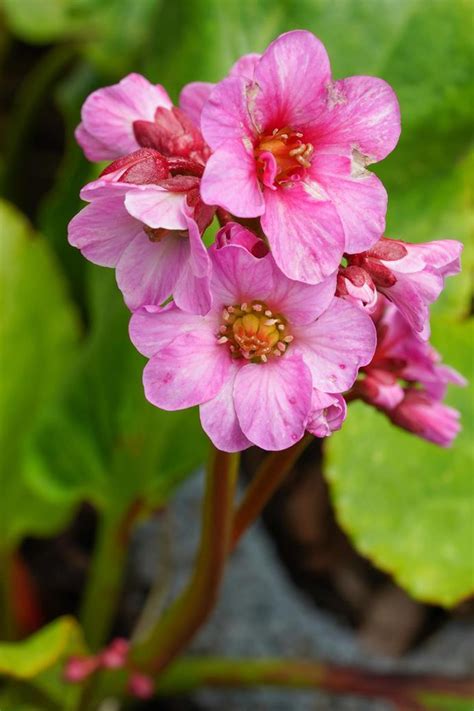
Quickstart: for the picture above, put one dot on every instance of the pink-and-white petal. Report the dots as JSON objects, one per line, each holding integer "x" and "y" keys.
{"x": 290, "y": 82}
{"x": 108, "y": 115}
{"x": 153, "y": 327}
{"x": 273, "y": 401}
{"x": 362, "y": 113}
{"x": 103, "y": 230}
{"x": 219, "y": 418}
{"x": 358, "y": 196}
{"x": 230, "y": 181}
{"x": 157, "y": 207}
{"x": 336, "y": 345}
{"x": 189, "y": 371}
{"x": 192, "y": 99}
{"x": 238, "y": 276}
{"x": 305, "y": 233}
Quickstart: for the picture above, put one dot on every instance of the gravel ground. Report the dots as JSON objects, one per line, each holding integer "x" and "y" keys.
{"x": 260, "y": 613}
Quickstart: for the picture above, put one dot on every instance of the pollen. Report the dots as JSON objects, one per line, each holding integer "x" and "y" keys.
{"x": 291, "y": 153}
{"x": 252, "y": 331}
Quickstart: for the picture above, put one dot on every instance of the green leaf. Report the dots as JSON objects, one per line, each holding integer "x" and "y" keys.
{"x": 38, "y": 332}
{"x": 38, "y": 662}
{"x": 119, "y": 447}
{"x": 407, "y": 504}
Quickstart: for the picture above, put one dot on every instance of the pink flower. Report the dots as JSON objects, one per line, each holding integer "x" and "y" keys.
{"x": 253, "y": 361}
{"x": 79, "y": 668}
{"x": 115, "y": 655}
{"x": 140, "y": 685}
{"x": 291, "y": 146}
{"x": 328, "y": 412}
{"x": 106, "y": 130}
{"x": 426, "y": 417}
{"x": 410, "y": 275}
{"x": 406, "y": 378}
{"x": 145, "y": 220}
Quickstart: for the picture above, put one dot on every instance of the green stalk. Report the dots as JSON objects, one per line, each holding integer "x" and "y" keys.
{"x": 269, "y": 477}
{"x": 172, "y": 633}
{"x": 7, "y": 613}
{"x": 406, "y": 691}
{"x": 104, "y": 583}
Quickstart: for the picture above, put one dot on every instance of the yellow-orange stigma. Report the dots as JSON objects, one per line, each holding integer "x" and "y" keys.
{"x": 288, "y": 149}
{"x": 252, "y": 331}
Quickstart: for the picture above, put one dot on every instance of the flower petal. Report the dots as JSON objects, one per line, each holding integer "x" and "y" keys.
{"x": 245, "y": 66}
{"x": 219, "y": 419}
{"x": 192, "y": 290}
{"x": 273, "y": 401}
{"x": 153, "y": 327}
{"x": 230, "y": 180}
{"x": 328, "y": 412}
{"x": 108, "y": 115}
{"x": 238, "y": 276}
{"x": 336, "y": 345}
{"x": 358, "y": 196}
{"x": 362, "y": 113}
{"x": 301, "y": 303}
{"x": 305, "y": 234}
{"x": 189, "y": 371}
{"x": 192, "y": 99}
{"x": 103, "y": 230}
{"x": 157, "y": 207}
{"x": 148, "y": 271}
{"x": 290, "y": 82}
{"x": 225, "y": 115}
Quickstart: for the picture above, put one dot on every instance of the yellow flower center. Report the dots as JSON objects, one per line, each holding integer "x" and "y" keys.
{"x": 288, "y": 150}
{"x": 252, "y": 331}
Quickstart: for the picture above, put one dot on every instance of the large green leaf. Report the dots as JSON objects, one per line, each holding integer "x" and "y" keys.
{"x": 106, "y": 443}
{"x": 38, "y": 335}
{"x": 407, "y": 504}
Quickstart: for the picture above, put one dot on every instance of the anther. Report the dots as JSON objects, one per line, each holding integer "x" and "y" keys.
{"x": 244, "y": 306}
{"x": 281, "y": 347}
{"x": 257, "y": 307}
{"x": 268, "y": 313}
{"x": 270, "y": 322}
{"x": 222, "y": 339}
{"x": 288, "y": 339}
{"x": 263, "y": 358}
{"x": 297, "y": 151}
{"x": 281, "y": 327}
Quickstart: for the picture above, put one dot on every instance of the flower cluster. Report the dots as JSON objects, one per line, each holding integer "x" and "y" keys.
{"x": 300, "y": 298}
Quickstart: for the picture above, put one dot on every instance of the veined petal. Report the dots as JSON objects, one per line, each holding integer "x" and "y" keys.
{"x": 336, "y": 345}
{"x": 358, "y": 196}
{"x": 362, "y": 113}
{"x": 305, "y": 233}
{"x": 301, "y": 303}
{"x": 290, "y": 82}
{"x": 153, "y": 327}
{"x": 219, "y": 419}
{"x": 192, "y": 99}
{"x": 273, "y": 400}
{"x": 192, "y": 290}
{"x": 238, "y": 276}
{"x": 230, "y": 180}
{"x": 189, "y": 371}
{"x": 225, "y": 115}
{"x": 103, "y": 230}
{"x": 157, "y": 207}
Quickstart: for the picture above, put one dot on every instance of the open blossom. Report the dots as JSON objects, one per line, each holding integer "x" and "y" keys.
{"x": 407, "y": 380}
{"x": 134, "y": 113}
{"x": 253, "y": 362}
{"x": 410, "y": 275}
{"x": 291, "y": 146}
{"x": 145, "y": 219}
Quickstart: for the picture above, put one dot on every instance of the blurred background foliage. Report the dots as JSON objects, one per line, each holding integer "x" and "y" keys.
{"x": 74, "y": 422}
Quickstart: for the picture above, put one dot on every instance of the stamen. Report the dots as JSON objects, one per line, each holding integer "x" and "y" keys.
{"x": 281, "y": 327}
{"x": 264, "y": 358}
{"x": 281, "y": 347}
{"x": 288, "y": 339}
{"x": 271, "y": 322}
{"x": 268, "y": 313}
{"x": 257, "y": 307}
{"x": 222, "y": 339}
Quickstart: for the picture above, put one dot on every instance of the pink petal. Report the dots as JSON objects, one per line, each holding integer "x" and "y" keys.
{"x": 336, "y": 345}
{"x": 193, "y": 97}
{"x": 442, "y": 256}
{"x": 362, "y": 113}
{"x": 236, "y": 234}
{"x": 412, "y": 294}
{"x": 305, "y": 234}
{"x": 192, "y": 290}
{"x": 92, "y": 147}
{"x": 273, "y": 400}
{"x": 328, "y": 412}
{"x": 300, "y": 303}
{"x": 148, "y": 271}
{"x": 219, "y": 419}
{"x": 104, "y": 186}
{"x": 156, "y": 207}
{"x": 103, "y": 230}
{"x": 225, "y": 115}
{"x": 238, "y": 276}
{"x": 230, "y": 180}
{"x": 108, "y": 115}
{"x": 245, "y": 66}
{"x": 153, "y": 327}
{"x": 358, "y": 196}
{"x": 290, "y": 82}
{"x": 189, "y": 371}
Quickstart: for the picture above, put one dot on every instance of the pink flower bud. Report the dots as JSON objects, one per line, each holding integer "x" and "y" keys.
{"x": 140, "y": 686}
{"x": 79, "y": 668}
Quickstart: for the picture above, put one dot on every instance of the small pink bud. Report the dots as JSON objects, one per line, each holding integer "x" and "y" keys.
{"x": 115, "y": 655}
{"x": 140, "y": 686}
{"x": 79, "y": 668}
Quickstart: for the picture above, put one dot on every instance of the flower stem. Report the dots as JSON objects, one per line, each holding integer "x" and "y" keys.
{"x": 104, "y": 584}
{"x": 266, "y": 481}
{"x": 170, "y": 635}
{"x": 407, "y": 691}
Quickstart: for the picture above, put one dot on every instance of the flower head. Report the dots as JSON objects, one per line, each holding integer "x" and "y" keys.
{"x": 253, "y": 362}
{"x": 291, "y": 146}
